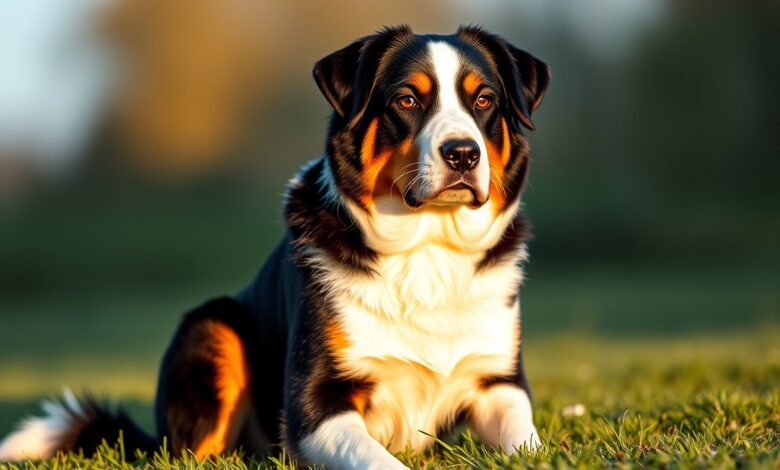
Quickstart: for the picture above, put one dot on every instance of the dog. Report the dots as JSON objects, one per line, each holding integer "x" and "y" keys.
{"x": 390, "y": 310}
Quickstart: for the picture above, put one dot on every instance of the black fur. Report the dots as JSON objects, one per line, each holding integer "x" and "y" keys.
{"x": 314, "y": 222}
{"x": 95, "y": 422}
{"x": 518, "y": 378}
{"x": 313, "y": 389}
{"x": 514, "y": 236}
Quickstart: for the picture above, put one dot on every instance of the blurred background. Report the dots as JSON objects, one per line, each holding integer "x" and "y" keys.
{"x": 145, "y": 145}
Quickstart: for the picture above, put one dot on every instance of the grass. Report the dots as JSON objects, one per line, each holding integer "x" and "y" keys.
{"x": 694, "y": 402}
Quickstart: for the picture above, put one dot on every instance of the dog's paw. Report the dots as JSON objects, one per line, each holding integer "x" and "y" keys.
{"x": 384, "y": 463}
{"x": 521, "y": 438}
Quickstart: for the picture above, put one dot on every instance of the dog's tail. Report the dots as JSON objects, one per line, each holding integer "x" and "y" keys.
{"x": 71, "y": 424}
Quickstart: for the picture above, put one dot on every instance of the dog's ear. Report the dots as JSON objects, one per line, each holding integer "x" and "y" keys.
{"x": 525, "y": 78}
{"x": 335, "y": 74}
{"x": 347, "y": 77}
{"x": 532, "y": 79}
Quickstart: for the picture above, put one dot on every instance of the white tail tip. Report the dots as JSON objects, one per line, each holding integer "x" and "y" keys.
{"x": 41, "y": 437}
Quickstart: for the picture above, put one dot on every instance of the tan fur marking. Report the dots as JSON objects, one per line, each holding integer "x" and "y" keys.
{"x": 498, "y": 159}
{"x": 371, "y": 173}
{"x": 380, "y": 171}
{"x": 471, "y": 83}
{"x": 372, "y": 163}
{"x": 336, "y": 338}
{"x": 422, "y": 82}
{"x": 232, "y": 385}
{"x": 369, "y": 141}
{"x": 506, "y": 150}
{"x": 360, "y": 398}
{"x": 391, "y": 178}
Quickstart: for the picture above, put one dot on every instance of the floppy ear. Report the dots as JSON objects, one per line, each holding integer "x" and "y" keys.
{"x": 532, "y": 79}
{"x": 525, "y": 78}
{"x": 335, "y": 74}
{"x": 347, "y": 77}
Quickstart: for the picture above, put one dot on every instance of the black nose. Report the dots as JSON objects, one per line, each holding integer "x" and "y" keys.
{"x": 460, "y": 154}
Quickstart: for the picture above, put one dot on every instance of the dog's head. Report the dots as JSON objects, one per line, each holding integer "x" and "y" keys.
{"x": 430, "y": 121}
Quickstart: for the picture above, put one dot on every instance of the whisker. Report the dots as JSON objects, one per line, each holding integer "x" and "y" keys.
{"x": 498, "y": 185}
{"x": 409, "y": 186}
{"x": 402, "y": 175}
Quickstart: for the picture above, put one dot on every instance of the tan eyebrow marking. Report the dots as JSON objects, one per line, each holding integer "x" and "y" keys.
{"x": 471, "y": 83}
{"x": 422, "y": 82}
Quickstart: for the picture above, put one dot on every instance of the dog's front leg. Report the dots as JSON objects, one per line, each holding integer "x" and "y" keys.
{"x": 342, "y": 442}
{"x": 502, "y": 417}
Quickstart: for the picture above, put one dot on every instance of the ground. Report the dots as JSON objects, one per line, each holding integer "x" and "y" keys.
{"x": 703, "y": 401}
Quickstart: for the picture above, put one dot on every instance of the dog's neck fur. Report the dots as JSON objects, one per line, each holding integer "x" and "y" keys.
{"x": 425, "y": 259}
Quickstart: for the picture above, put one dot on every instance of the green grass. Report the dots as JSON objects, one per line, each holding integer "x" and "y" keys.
{"x": 691, "y": 402}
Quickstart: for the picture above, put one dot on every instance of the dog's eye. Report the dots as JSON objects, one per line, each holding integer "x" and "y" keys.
{"x": 483, "y": 102}
{"x": 407, "y": 102}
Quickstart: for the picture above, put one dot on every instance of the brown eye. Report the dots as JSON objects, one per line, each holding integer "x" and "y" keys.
{"x": 407, "y": 102}
{"x": 483, "y": 102}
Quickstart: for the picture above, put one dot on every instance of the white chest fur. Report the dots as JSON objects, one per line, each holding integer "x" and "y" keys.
{"x": 427, "y": 326}
{"x": 425, "y": 329}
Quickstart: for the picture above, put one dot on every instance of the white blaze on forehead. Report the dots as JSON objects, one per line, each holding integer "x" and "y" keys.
{"x": 450, "y": 120}
{"x": 446, "y": 64}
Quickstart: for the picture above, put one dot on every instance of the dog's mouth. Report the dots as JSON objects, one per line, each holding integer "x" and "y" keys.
{"x": 456, "y": 194}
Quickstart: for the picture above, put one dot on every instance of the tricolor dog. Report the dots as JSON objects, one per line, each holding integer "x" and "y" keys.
{"x": 390, "y": 310}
